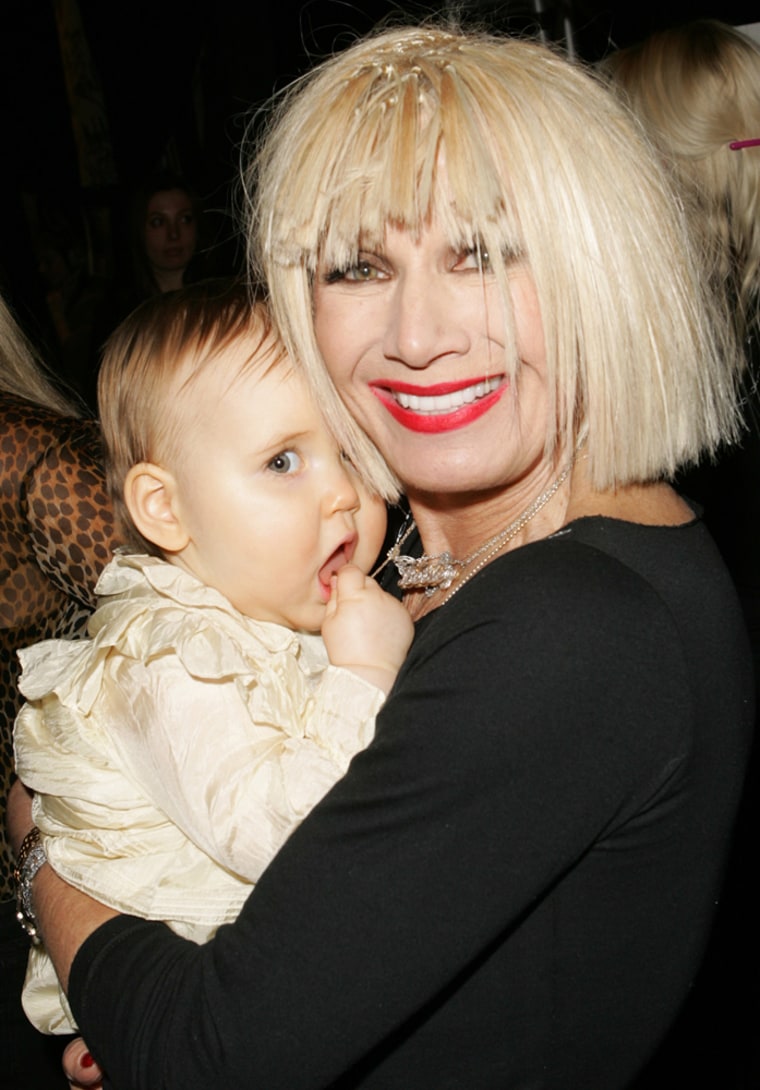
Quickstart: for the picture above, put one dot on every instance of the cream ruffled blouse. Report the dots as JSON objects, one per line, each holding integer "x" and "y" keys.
{"x": 174, "y": 751}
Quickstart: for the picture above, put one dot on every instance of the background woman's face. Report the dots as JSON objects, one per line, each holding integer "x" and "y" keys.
{"x": 413, "y": 336}
{"x": 170, "y": 230}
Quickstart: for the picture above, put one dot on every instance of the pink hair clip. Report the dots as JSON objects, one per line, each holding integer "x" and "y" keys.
{"x": 737, "y": 145}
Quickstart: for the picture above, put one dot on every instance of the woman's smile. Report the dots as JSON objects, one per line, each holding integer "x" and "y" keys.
{"x": 442, "y": 407}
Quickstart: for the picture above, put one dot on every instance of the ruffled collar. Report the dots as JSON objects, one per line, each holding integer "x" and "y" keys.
{"x": 148, "y": 608}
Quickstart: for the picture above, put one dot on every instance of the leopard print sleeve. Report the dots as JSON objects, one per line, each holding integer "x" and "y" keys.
{"x": 56, "y": 534}
{"x": 69, "y": 514}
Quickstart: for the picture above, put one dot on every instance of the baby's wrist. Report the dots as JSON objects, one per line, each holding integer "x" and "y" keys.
{"x": 381, "y": 676}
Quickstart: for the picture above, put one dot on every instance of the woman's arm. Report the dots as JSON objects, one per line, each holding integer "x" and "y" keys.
{"x": 53, "y": 898}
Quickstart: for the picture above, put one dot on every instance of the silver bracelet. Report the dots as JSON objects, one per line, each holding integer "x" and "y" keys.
{"x": 31, "y": 857}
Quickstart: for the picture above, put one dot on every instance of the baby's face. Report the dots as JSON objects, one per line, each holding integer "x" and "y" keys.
{"x": 271, "y": 506}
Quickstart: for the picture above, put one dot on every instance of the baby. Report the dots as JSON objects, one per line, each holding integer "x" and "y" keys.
{"x": 173, "y": 751}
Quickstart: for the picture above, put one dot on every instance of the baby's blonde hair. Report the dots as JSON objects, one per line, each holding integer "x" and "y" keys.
{"x": 696, "y": 88}
{"x": 541, "y": 164}
{"x": 168, "y": 337}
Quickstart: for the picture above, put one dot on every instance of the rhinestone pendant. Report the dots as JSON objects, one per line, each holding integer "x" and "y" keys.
{"x": 428, "y": 573}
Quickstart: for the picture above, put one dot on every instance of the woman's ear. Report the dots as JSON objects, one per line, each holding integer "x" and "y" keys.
{"x": 151, "y": 496}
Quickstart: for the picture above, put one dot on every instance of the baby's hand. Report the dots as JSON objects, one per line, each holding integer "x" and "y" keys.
{"x": 366, "y": 630}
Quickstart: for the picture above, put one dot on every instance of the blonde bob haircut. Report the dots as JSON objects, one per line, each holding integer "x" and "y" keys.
{"x": 516, "y": 152}
{"x": 148, "y": 367}
{"x": 696, "y": 88}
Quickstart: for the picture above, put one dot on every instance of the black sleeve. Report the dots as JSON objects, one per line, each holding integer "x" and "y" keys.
{"x": 516, "y": 737}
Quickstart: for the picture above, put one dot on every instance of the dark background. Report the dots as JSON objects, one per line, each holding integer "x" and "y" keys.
{"x": 166, "y": 65}
{"x": 175, "y": 81}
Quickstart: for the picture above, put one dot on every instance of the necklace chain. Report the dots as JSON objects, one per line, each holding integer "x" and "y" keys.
{"x": 436, "y": 573}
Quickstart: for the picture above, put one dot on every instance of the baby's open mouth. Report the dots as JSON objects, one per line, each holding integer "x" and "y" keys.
{"x": 337, "y": 560}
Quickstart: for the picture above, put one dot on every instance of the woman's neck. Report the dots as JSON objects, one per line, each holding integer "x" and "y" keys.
{"x": 169, "y": 279}
{"x": 475, "y": 530}
{"x": 460, "y": 523}
{"x": 467, "y": 536}
{"x": 534, "y": 507}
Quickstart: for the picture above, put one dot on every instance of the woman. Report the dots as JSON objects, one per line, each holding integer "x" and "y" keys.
{"x": 161, "y": 244}
{"x": 512, "y": 885}
{"x": 56, "y": 533}
{"x": 165, "y": 213}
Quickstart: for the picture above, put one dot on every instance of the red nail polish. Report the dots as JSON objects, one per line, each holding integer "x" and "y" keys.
{"x": 86, "y": 1059}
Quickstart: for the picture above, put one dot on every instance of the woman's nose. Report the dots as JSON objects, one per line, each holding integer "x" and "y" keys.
{"x": 422, "y": 325}
{"x": 173, "y": 228}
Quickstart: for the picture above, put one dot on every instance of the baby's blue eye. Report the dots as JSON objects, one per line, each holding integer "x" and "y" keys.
{"x": 287, "y": 461}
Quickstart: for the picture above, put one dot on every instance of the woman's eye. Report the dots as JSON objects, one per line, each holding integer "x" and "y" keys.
{"x": 360, "y": 272}
{"x": 287, "y": 461}
{"x": 475, "y": 258}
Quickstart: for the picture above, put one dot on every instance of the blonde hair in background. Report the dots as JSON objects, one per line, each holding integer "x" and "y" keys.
{"x": 516, "y": 151}
{"x": 23, "y": 374}
{"x": 696, "y": 88}
{"x": 151, "y": 360}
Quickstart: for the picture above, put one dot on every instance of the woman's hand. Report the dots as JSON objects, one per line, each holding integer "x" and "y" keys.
{"x": 80, "y": 1068}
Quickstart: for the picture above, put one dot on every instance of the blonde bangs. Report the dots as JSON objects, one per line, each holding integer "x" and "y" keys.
{"x": 402, "y": 126}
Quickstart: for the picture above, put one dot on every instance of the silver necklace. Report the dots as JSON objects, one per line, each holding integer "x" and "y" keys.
{"x": 435, "y": 573}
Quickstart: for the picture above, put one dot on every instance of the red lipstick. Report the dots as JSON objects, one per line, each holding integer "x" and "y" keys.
{"x": 434, "y": 423}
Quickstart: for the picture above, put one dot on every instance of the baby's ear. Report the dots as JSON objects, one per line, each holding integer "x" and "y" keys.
{"x": 151, "y": 496}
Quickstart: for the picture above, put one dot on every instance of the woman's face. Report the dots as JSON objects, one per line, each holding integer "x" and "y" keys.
{"x": 170, "y": 230}
{"x": 413, "y": 337}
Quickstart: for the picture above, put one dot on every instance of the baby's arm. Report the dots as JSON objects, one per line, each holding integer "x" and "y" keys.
{"x": 237, "y": 767}
{"x": 365, "y": 629}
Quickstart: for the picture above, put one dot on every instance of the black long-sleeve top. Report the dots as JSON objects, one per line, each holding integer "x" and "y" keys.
{"x": 512, "y": 887}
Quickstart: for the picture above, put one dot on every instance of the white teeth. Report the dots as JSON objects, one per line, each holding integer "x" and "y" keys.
{"x": 446, "y": 403}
